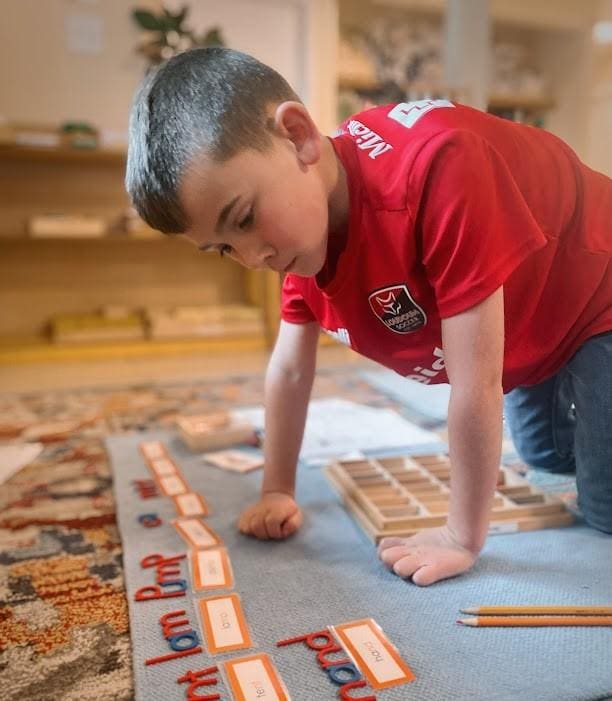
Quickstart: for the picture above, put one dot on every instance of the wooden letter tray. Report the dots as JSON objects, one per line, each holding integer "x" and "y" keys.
{"x": 400, "y": 496}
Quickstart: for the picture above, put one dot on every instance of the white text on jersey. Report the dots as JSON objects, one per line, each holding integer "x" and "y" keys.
{"x": 426, "y": 375}
{"x": 366, "y": 139}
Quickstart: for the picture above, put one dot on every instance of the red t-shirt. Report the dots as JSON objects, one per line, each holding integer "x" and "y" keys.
{"x": 446, "y": 205}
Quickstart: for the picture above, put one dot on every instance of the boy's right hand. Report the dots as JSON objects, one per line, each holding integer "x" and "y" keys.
{"x": 275, "y": 516}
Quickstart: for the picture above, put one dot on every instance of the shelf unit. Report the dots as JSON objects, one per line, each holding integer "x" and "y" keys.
{"x": 40, "y": 277}
{"x": 13, "y": 153}
{"x": 556, "y": 36}
{"x": 34, "y": 350}
{"x": 497, "y": 101}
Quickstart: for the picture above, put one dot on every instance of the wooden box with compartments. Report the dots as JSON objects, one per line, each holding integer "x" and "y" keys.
{"x": 400, "y": 496}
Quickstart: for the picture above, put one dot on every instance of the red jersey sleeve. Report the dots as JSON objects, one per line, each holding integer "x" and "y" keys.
{"x": 475, "y": 224}
{"x": 293, "y": 307}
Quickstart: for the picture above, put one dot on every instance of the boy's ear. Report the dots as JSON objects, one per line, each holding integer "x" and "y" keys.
{"x": 292, "y": 121}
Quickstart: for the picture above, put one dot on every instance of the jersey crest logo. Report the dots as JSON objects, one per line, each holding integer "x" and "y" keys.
{"x": 396, "y": 309}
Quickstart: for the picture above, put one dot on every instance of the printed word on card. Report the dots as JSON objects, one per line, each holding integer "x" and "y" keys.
{"x": 224, "y": 623}
{"x": 190, "y": 504}
{"x": 373, "y": 653}
{"x": 234, "y": 460}
{"x": 172, "y": 485}
{"x": 153, "y": 449}
{"x": 196, "y": 533}
{"x": 255, "y": 677}
{"x": 162, "y": 467}
{"x": 211, "y": 569}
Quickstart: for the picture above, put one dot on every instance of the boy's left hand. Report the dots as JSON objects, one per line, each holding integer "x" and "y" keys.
{"x": 426, "y": 557}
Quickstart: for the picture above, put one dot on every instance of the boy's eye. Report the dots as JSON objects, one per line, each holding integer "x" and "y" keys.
{"x": 246, "y": 222}
{"x": 224, "y": 249}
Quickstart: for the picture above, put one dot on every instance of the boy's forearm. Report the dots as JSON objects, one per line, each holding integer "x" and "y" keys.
{"x": 475, "y": 434}
{"x": 287, "y": 394}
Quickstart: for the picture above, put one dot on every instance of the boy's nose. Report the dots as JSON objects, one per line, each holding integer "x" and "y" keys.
{"x": 258, "y": 255}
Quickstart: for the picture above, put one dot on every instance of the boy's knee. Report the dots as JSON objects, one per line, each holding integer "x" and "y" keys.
{"x": 598, "y": 516}
{"x": 544, "y": 459}
{"x": 603, "y": 524}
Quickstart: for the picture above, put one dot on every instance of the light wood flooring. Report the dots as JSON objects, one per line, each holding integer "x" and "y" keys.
{"x": 31, "y": 377}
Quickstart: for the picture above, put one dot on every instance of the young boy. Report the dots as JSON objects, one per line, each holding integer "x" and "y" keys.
{"x": 446, "y": 244}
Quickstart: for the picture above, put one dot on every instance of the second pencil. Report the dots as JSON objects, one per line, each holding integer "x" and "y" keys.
{"x": 539, "y": 610}
{"x": 535, "y": 621}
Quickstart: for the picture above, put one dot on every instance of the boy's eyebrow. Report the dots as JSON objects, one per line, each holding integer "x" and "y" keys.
{"x": 225, "y": 213}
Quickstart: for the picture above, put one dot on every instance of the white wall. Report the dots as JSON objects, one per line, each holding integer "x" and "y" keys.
{"x": 42, "y": 81}
{"x": 296, "y": 37}
{"x": 266, "y": 29}
{"x": 599, "y": 105}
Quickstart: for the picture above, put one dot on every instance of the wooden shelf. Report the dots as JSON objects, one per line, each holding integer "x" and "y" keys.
{"x": 520, "y": 102}
{"x": 39, "y": 351}
{"x": 153, "y": 237}
{"x": 353, "y": 83}
{"x": 39, "y": 276}
{"x": 496, "y": 101}
{"x": 61, "y": 155}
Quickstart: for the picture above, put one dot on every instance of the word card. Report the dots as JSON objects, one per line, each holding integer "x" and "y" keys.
{"x": 211, "y": 569}
{"x": 255, "y": 677}
{"x": 234, "y": 460}
{"x": 224, "y": 623}
{"x": 196, "y": 533}
{"x": 373, "y": 653}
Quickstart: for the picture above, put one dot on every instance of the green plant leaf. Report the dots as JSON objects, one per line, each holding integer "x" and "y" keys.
{"x": 147, "y": 20}
{"x": 213, "y": 37}
{"x": 182, "y": 15}
{"x": 173, "y": 22}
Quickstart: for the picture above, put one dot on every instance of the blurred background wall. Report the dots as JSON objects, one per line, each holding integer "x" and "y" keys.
{"x": 99, "y": 271}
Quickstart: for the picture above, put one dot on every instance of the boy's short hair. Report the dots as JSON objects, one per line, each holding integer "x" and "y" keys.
{"x": 206, "y": 101}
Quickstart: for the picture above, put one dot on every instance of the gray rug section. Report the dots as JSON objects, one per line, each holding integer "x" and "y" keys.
{"x": 329, "y": 574}
{"x": 427, "y": 406}
{"x": 428, "y": 402}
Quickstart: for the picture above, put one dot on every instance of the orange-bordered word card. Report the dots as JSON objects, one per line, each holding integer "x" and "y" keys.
{"x": 196, "y": 533}
{"x": 224, "y": 624}
{"x": 162, "y": 467}
{"x": 211, "y": 569}
{"x": 152, "y": 450}
{"x": 373, "y": 653}
{"x": 173, "y": 485}
{"x": 255, "y": 677}
{"x": 234, "y": 460}
{"x": 190, "y": 504}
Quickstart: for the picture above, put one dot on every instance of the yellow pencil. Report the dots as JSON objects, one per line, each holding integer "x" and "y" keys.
{"x": 533, "y": 621}
{"x": 539, "y": 610}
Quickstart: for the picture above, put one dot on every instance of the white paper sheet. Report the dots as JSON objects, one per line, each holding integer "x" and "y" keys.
{"x": 336, "y": 426}
{"x": 15, "y": 456}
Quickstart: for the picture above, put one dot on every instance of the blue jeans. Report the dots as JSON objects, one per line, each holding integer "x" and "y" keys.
{"x": 564, "y": 424}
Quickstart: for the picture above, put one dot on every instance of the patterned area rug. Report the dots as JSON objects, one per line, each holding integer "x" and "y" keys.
{"x": 63, "y": 613}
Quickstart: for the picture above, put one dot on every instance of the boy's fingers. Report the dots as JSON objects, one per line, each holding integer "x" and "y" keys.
{"x": 428, "y": 574}
{"x": 273, "y": 526}
{"x": 386, "y": 543}
{"x": 243, "y": 521}
{"x": 444, "y": 569}
{"x": 292, "y": 524}
{"x": 406, "y": 566}
{"x": 391, "y": 555}
{"x": 258, "y": 527}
